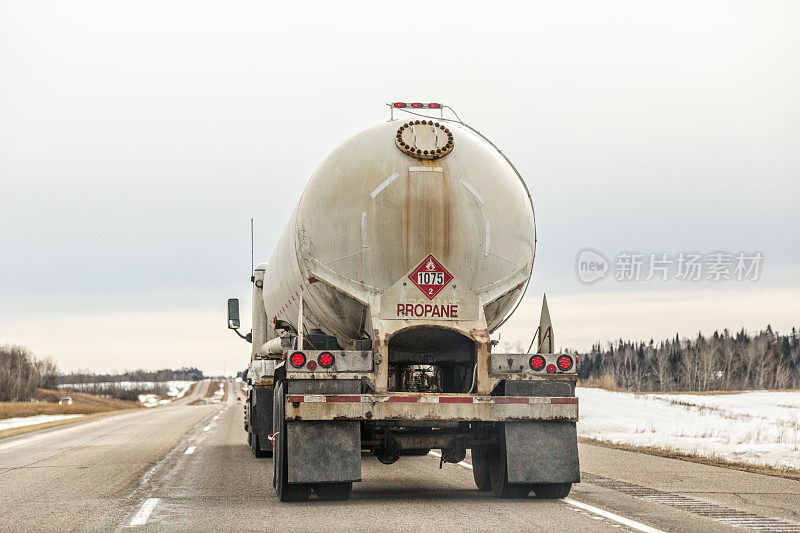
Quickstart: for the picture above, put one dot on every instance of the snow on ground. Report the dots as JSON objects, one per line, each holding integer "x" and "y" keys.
{"x": 760, "y": 427}
{"x": 177, "y": 389}
{"x": 10, "y": 423}
{"x": 218, "y": 394}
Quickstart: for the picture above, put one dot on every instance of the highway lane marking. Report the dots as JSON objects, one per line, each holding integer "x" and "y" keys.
{"x": 638, "y": 526}
{"x": 144, "y": 513}
{"x": 190, "y": 450}
{"x": 207, "y": 427}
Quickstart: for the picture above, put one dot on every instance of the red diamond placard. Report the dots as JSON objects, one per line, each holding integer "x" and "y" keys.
{"x": 430, "y": 276}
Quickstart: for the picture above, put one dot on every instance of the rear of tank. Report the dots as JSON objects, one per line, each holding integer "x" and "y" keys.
{"x": 371, "y": 213}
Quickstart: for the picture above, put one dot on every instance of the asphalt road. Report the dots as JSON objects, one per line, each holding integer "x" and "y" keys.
{"x": 187, "y": 467}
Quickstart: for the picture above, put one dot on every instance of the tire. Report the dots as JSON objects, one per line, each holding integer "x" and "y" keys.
{"x": 480, "y": 469}
{"x": 333, "y": 492}
{"x": 498, "y": 473}
{"x": 551, "y": 491}
{"x": 287, "y": 492}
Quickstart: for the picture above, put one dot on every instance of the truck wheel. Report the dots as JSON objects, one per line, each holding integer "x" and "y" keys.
{"x": 287, "y": 492}
{"x": 480, "y": 469}
{"x": 333, "y": 492}
{"x": 551, "y": 490}
{"x": 498, "y": 472}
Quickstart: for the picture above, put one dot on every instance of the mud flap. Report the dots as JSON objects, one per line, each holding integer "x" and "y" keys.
{"x": 324, "y": 452}
{"x": 542, "y": 452}
{"x": 539, "y": 451}
{"x": 261, "y": 416}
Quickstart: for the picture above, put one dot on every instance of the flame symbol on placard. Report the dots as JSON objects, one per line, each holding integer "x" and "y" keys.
{"x": 429, "y": 265}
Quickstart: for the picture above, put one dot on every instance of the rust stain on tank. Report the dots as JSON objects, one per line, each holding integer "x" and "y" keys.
{"x": 427, "y": 219}
{"x": 446, "y": 218}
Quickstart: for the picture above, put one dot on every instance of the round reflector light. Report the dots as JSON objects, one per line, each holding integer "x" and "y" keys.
{"x": 297, "y": 359}
{"x": 537, "y": 362}
{"x": 325, "y": 359}
{"x": 564, "y": 362}
{"x": 551, "y": 368}
{"x": 312, "y": 365}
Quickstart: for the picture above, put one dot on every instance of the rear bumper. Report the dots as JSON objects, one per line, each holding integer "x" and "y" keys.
{"x": 404, "y": 406}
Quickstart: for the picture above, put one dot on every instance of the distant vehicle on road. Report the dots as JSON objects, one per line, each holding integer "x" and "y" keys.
{"x": 66, "y": 400}
{"x": 411, "y": 244}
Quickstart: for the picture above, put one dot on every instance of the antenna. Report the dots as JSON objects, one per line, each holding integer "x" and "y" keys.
{"x": 252, "y": 266}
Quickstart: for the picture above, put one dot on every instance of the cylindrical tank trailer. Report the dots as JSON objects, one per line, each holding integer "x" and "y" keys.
{"x": 372, "y": 212}
{"x": 411, "y": 243}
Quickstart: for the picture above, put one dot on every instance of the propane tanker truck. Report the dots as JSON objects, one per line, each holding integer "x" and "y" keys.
{"x": 411, "y": 244}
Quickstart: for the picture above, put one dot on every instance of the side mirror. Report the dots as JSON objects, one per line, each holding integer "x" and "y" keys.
{"x": 233, "y": 313}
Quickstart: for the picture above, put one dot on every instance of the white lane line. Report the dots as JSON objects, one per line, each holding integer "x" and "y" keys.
{"x": 207, "y": 427}
{"x": 144, "y": 513}
{"x": 638, "y": 526}
{"x": 216, "y": 417}
{"x": 190, "y": 450}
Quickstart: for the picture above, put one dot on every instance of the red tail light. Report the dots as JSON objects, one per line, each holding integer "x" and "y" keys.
{"x": 400, "y": 105}
{"x": 417, "y": 105}
{"x": 325, "y": 359}
{"x": 551, "y": 368}
{"x": 297, "y": 359}
{"x": 537, "y": 362}
{"x": 434, "y": 106}
{"x": 564, "y": 362}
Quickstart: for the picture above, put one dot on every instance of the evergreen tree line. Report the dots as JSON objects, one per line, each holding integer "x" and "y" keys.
{"x": 21, "y": 373}
{"x": 766, "y": 360}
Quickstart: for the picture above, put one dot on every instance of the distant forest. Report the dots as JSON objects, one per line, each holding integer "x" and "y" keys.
{"x": 182, "y": 374}
{"x": 766, "y": 360}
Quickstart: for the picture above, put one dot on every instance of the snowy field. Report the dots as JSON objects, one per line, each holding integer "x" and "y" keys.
{"x": 10, "y": 423}
{"x": 175, "y": 389}
{"x": 760, "y": 428}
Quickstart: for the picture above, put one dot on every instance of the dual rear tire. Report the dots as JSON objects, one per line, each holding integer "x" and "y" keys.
{"x": 490, "y": 471}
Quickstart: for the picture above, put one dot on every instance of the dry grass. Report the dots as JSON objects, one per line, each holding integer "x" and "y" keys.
{"x": 712, "y": 461}
{"x": 606, "y": 381}
{"x": 213, "y": 387}
{"x": 82, "y": 404}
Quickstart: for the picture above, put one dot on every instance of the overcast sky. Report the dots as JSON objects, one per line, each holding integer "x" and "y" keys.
{"x": 137, "y": 138}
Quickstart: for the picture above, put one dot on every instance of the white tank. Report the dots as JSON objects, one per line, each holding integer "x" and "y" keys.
{"x": 372, "y": 213}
